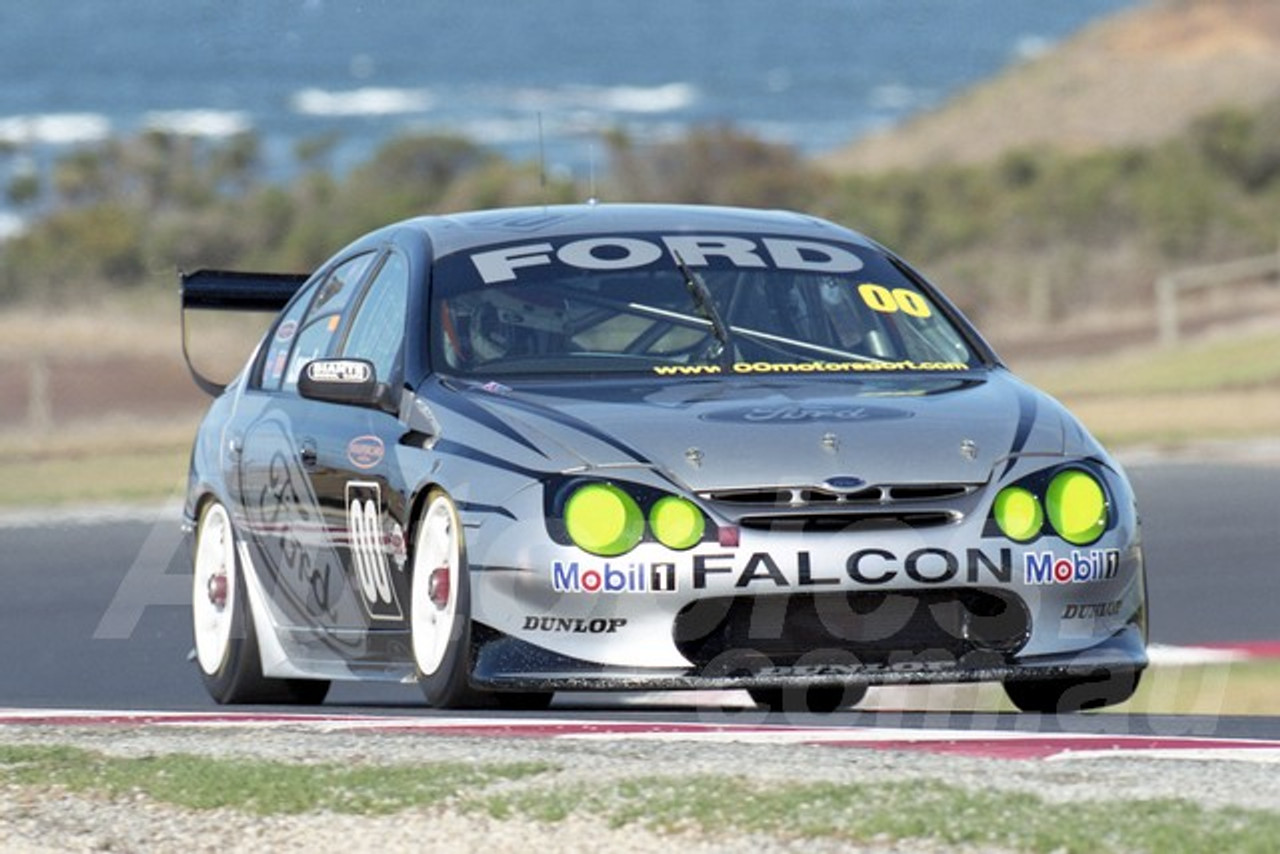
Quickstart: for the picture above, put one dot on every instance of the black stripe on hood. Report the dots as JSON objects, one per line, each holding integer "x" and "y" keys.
{"x": 568, "y": 421}
{"x": 1028, "y": 405}
{"x": 469, "y": 409}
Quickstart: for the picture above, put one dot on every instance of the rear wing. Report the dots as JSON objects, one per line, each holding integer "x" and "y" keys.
{"x": 227, "y": 290}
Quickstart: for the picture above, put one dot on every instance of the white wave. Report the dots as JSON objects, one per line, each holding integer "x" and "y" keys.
{"x": 655, "y": 99}
{"x": 54, "y": 129}
{"x": 497, "y": 131}
{"x": 648, "y": 100}
{"x": 210, "y": 123}
{"x": 367, "y": 101}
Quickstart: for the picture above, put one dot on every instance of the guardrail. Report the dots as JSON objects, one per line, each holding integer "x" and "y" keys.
{"x": 1171, "y": 285}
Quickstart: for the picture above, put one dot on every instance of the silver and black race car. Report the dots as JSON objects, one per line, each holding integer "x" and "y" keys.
{"x": 609, "y": 447}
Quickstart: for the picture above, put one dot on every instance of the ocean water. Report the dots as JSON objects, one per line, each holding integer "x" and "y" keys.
{"x": 523, "y": 76}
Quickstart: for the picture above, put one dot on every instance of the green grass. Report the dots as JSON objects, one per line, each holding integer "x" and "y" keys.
{"x": 112, "y": 476}
{"x": 116, "y": 460}
{"x": 257, "y": 787}
{"x": 899, "y": 811}
{"x": 1210, "y": 365}
{"x": 709, "y": 805}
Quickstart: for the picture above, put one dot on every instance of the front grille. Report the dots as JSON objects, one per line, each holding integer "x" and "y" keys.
{"x": 823, "y": 510}
{"x": 872, "y": 627}
{"x": 808, "y": 496}
{"x": 842, "y": 523}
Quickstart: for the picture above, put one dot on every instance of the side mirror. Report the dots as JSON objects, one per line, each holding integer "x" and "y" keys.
{"x": 353, "y": 382}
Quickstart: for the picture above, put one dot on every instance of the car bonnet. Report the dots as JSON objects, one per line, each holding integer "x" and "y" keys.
{"x": 785, "y": 431}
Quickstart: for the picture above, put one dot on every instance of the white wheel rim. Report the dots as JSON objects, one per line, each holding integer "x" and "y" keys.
{"x": 213, "y": 589}
{"x": 436, "y": 548}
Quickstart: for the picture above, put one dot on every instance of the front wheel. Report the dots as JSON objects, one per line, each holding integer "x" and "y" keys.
{"x": 440, "y": 607}
{"x": 226, "y": 639}
{"x": 440, "y": 616}
{"x": 1051, "y": 696}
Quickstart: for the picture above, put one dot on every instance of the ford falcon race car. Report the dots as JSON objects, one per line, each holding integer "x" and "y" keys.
{"x": 624, "y": 447}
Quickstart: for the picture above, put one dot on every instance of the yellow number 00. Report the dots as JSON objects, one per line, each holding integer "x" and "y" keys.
{"x": 880, "y": 298}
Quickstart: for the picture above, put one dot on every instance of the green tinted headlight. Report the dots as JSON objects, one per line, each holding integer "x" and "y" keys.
{"x": 602, "y": 519}
{"x": 1077, "y": 507}
{"x": 676, "y": 522}
{"x": 1018, "y": 513}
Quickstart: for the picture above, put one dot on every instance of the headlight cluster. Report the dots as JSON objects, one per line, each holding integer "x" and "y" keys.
{"x": 1071, "y": 501}
{"x": 607, "y": 520}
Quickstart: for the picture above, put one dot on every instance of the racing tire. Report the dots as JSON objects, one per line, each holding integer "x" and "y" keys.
{"x": 819, "y": 699}
{"x": 440, "y": 608}
{"x": 226, "y": 640}
{"x": 1055, "y": 696}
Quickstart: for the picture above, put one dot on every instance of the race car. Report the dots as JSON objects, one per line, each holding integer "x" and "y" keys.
{"x": 612, "y": 447}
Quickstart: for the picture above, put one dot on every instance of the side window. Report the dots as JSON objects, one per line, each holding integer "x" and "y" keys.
{"x": 378, "y": 329}
{"x": 277, "y": 357}
{"x": 319, "y": 331}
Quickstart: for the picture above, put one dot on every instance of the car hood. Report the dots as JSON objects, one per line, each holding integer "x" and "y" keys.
{"x": 786, "y": 431}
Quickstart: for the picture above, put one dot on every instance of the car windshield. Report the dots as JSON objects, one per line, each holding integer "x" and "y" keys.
{"x": 685, "y": 305}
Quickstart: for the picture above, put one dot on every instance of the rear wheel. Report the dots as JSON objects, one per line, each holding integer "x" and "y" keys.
{"x": 1051, "y": 696}
{"x": 820, "y": 699}
{"x": 226, "y": 639}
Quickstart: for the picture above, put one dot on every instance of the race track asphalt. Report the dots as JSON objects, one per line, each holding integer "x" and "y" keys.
{"x": 93, "y": 607}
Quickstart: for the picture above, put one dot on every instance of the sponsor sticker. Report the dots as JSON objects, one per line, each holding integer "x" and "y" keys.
{"x": 366, "y": 452}
{"x": 808, "y": 368}
{"x": 869, "y": 567}
{"x": 805, "y": 413}
{"x": 1092, "y": 610}
{"x": 339, "y": 371}
{"x": 572, "y": 577}
{"x": 1080, "y": 567}
{"x": 857, "y": 668}
{"x": 574, "y": 625}
{"x": 629, "y": 252}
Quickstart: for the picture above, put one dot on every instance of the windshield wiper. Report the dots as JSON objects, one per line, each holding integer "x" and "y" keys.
{"x": 705, "y": 304}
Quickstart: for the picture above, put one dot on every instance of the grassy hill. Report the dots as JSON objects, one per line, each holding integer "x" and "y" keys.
{"x": 1135, "y": 79}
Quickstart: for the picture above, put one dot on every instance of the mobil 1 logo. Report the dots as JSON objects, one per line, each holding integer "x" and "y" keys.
{"x": 369, "y": 565}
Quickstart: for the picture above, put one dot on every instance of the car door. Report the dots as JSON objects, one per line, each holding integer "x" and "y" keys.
{"x": 284, "y": 487}
{"x": 355, "y": 471}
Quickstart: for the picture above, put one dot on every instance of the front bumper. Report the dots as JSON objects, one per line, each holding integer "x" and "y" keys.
{"x": 784, "y": 604}
{"x": 509, "y": 664}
